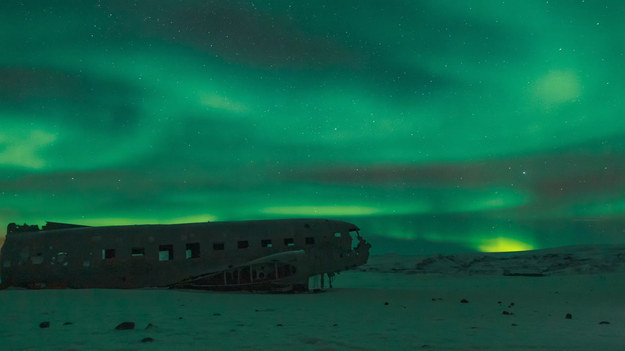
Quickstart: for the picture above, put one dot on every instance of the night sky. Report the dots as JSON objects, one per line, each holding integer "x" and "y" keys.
{"x": 433, "y": 125}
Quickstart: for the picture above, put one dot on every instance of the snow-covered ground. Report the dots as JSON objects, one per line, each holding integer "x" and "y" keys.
{"x": 511, "y": 301}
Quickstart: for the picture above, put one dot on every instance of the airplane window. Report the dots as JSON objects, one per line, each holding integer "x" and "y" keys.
{"x": 289, "y": 242}
{"x": 165, "y": 252}
{"x": 266, "y": 243}
{"x": 38, "y": 259}
{"x": 193, "y": 250}
{"x": 137, "y": 252}
{"x": 61, "y": 257}
{"x": 108, "y": 253}
{"x": 218, "y": 246}
{"x": 310, "y": 240}
{"x": 243, "y": 244}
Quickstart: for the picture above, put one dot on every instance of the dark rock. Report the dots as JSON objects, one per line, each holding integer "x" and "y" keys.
{"x": 44, "y": 324}
{"x": 150, "y": 326}
{"x": 335, "y": 325}
{"x": 464, "y": 301}
{"x": 216, "y": 314}
{"x": 507, "y": 273}
{"x": 514, "y": 324}
{"x": 310, "y": 341}
{"x": 279, "y": 325}
{"x": 179, "y": 317}
{"x": 68, "y": 323}
{"x": 148, "y": 339}
{"x": 386, "y": 303}
{"x": 506, "y": 313}
{"x": 264, "y": 310}
{"x": 604, "y": 322}
{"x": 511, "y": 305}
{"x": 568, "y": 316}
{"x": 125, "y": 326}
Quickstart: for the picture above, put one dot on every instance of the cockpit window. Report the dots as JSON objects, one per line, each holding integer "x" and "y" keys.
{"x": 354, "y": 235}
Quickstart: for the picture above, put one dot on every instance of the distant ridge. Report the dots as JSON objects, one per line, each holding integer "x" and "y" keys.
{"x": 588, "y": 259}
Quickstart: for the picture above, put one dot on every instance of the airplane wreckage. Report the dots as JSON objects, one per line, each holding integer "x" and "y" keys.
{"x": 286, "y": 255}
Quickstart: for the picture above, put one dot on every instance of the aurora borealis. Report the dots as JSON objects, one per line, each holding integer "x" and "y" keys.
{"x": 483, "y": 125}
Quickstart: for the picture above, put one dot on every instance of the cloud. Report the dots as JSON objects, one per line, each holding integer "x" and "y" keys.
{"x": 446, "y": 117}
{"x": 557, "y": 87}
{"x": 222, "y": 103}
{"x": 24, "y": 148}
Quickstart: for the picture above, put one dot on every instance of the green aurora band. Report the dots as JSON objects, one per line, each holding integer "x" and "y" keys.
{"x": 458, "y": 125}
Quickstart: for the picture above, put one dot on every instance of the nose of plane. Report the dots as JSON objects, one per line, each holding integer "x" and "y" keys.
{"x": 359, "y": 254}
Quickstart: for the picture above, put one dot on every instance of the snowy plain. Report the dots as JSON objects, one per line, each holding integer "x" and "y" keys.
{"x": 567, "y": 298}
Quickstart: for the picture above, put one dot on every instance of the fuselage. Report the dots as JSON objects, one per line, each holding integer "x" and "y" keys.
{"x": 66, "y": 256}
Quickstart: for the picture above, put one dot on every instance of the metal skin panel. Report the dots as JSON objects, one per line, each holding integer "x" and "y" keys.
{"x": 273, "y": 255}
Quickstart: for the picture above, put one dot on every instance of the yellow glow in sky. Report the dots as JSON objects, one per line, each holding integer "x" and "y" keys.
{"x": 502, "y": 244}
